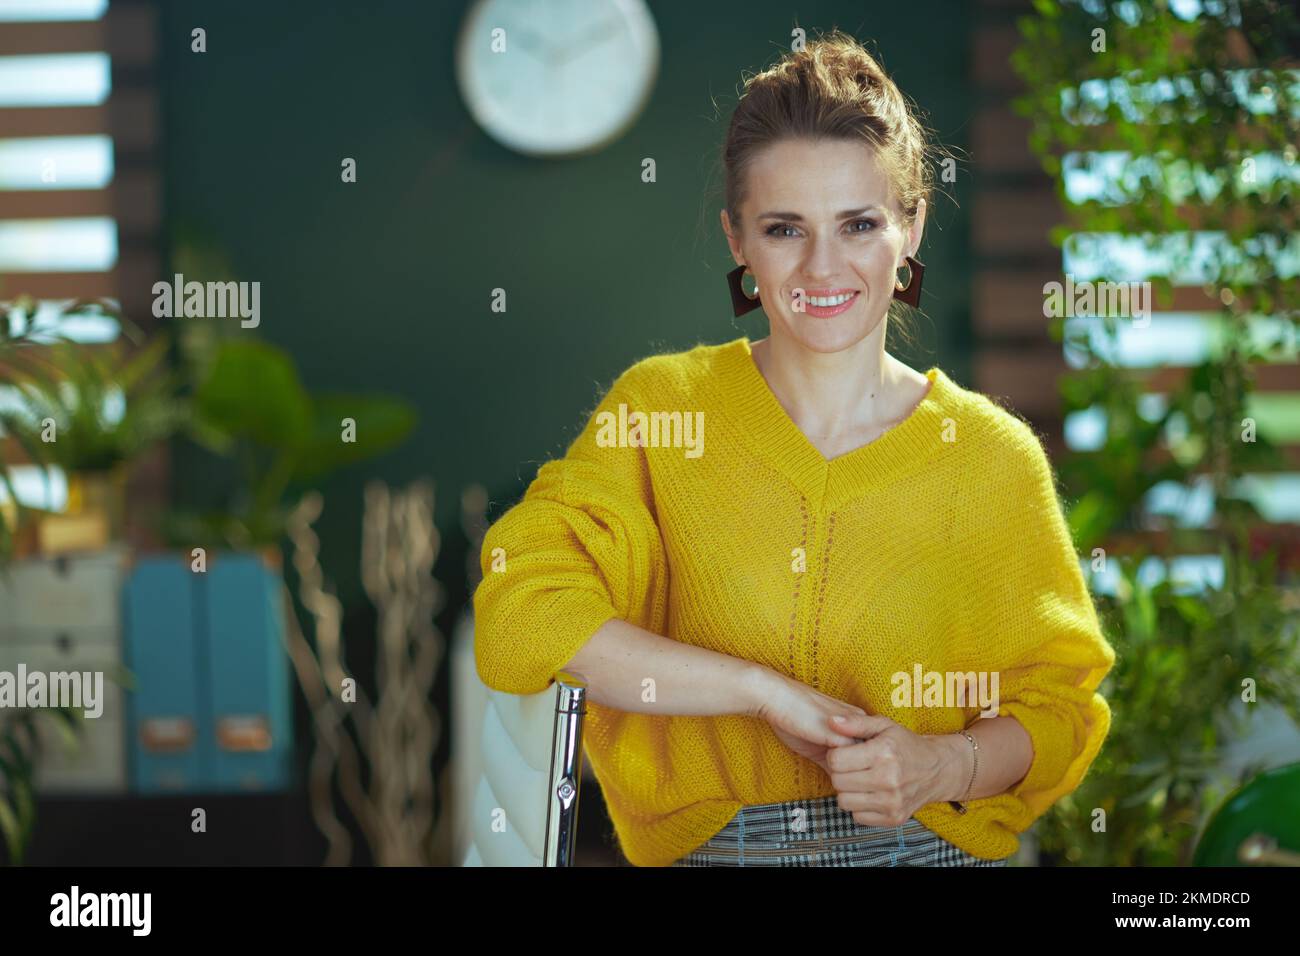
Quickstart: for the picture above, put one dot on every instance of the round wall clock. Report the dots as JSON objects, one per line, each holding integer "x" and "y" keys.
{"x": 557, "y": 78}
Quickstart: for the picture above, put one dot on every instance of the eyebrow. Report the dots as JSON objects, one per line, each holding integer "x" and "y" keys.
{"x": 795, "y": 217}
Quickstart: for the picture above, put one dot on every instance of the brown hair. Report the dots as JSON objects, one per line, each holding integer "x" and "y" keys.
{"x": 831, "y": 88}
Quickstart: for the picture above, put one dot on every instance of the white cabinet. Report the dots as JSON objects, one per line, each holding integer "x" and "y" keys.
{"x": 63, "y": 615}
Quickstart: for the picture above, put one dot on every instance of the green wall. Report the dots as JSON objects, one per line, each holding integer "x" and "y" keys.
{"x": 385, "y": 284}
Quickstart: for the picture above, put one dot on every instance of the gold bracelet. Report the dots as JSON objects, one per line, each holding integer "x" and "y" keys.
{"x": 975, "y": 752}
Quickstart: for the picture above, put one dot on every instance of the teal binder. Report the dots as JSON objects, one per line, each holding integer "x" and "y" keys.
{"x": 167, "y": 712}
{"x": 211, "y": 711}
{"x": 247, "y": 668}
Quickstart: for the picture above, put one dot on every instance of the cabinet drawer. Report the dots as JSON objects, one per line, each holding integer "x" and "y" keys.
{"x": 69, "y": 591}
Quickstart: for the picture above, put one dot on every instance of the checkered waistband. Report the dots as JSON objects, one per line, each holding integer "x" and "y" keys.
{"x": 816, "y": 832}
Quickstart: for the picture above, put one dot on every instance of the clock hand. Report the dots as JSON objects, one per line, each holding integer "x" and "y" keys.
{"x": 532, "y": 44}
{"x": 581, "y": 45}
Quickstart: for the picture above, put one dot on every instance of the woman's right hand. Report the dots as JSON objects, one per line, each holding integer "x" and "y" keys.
{"x": 798, "y": 716}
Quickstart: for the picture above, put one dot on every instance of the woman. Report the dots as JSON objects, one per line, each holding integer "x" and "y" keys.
{"x": 791, "y": 571}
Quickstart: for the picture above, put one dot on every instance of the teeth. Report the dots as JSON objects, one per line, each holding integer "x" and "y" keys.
{"x": 829, "y": 300}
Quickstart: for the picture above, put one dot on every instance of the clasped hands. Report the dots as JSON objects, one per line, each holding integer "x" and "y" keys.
{"x": 882, "y": 772}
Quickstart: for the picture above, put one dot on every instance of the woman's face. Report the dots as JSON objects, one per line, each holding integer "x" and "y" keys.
{"x": 823, "y": 238}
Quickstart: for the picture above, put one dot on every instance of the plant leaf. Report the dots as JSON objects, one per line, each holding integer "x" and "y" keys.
{"x": 253, "y": 391}
{"x": 381, "y": 424}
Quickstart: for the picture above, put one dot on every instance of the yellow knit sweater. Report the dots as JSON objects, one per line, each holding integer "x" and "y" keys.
{"x": 940, "y": 544}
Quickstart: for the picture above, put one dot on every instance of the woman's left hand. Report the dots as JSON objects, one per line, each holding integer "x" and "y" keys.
{"x": 887, "y": 777}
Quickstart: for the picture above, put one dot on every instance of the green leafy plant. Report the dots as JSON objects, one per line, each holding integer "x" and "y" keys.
{"x": 1176, "y": 699}
{"x": 88, "y": 409}
{"x": 13, "y": 336}
{"x": 18, "y": 737}
{"x": 250, "y": 404}
{"x": 21, "y": 330}
{"x": 1172, "y": 105}
{"x": 106, "y": 403}
{"x": 20, "y": 750}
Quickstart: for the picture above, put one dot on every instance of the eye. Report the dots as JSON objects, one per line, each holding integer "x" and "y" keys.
{"x": 773, "y": 230}
{"x": 857, "y": 222}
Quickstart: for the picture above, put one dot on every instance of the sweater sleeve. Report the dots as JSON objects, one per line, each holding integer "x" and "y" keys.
{"x": 581, "y": 547}
{"x": 1052, "y": 652}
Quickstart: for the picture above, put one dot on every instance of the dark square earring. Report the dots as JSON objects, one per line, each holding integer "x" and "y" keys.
{"x": 741, "y": 301}
{"x": 911, "y": 293}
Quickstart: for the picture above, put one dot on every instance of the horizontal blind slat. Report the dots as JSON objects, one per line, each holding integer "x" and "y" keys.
{"x": 69, "y": 36}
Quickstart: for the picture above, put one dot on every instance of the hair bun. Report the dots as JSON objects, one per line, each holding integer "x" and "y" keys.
{"x": 868, "y": 77}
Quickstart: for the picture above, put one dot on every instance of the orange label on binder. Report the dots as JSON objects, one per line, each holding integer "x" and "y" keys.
{"x": 167, "y": 734}
{"x": 244, "y": 733}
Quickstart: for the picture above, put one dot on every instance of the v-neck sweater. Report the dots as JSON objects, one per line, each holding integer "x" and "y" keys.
{"x": 939, "y": 548}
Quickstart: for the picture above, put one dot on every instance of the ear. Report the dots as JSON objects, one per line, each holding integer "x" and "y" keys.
{"x": 915, "y": 231}
{"x": 732, "y": 240}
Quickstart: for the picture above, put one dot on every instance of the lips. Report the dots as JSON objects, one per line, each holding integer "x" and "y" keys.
{"x": 824, "y": 303}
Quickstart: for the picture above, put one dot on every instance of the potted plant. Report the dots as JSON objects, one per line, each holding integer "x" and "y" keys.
{"x": 90, "y": 410}
{"x": 250, "y": 406}
{"x": 21, "y": 329}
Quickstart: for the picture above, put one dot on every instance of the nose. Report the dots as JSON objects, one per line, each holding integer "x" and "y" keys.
{"x": 823, "y": 260}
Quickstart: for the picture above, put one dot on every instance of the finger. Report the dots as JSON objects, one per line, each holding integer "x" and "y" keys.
{"x": 873, "y": 808}
{"x": 862, "y": 757}
{"x": 839, "y": 740}
{"x": 829, "y": 736}
{"x": 862, "y": 801}
{"x": 856, "y": 781}
{"x": 818, "y": 733}
{"x": 860, "y": 725}
{"x": 852, "y": 758}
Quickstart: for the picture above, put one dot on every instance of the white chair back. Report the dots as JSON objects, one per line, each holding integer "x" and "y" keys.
{"x": 516, "y": 766}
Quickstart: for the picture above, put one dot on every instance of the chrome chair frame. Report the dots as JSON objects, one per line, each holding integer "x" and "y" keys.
{"x": 566, "y": 770}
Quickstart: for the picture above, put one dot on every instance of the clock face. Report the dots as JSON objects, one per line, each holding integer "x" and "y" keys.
{"x": 557, "y": 77}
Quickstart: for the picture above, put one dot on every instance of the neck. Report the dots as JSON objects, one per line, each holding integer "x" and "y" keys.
{"x": 829, "y": 394}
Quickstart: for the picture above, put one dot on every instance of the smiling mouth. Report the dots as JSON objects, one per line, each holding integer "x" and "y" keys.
{"x": 828, "y": 301}
{"x": 824, "y": 306}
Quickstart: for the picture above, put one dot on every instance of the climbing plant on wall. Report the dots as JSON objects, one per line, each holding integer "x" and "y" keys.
{"x": 1182, "y": 118}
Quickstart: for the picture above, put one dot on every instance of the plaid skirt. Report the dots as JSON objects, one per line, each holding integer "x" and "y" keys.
{"x": 816, "y": 832}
